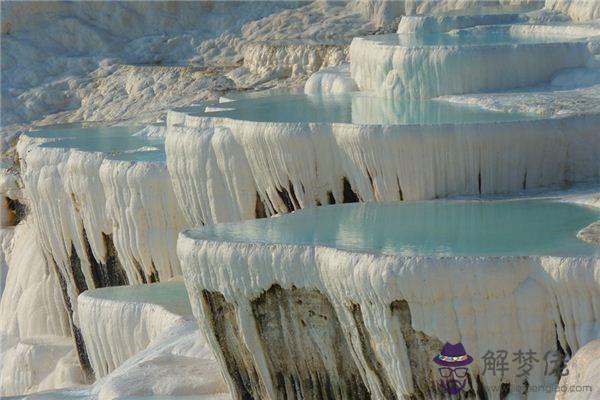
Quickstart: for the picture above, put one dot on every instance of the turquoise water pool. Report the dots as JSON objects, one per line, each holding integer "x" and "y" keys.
{"x": 430, "y": 228}
{"x": 119, "y": 142}
{"x": 355, "y": 108}
{"x": 476, "y": 36}
{"x": 171, "y": 295}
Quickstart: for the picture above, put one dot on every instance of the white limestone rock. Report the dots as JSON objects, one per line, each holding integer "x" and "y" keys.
{"x": 485, "y": 303}
{"x": 582, "y": 376}
{"x": 244, "y": 167}
{"x": 578, "y": 10}
{"x": 331, "y": 81}
{"x": 402, "y": 71}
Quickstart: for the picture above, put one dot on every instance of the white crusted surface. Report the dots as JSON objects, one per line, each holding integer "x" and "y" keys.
{"x": 571, "y": 91}
{"x": 36, "y": 351}
{"x": 432, "y": 71}
{"x": 327, "y": 81}
{"x": 218, "y": 166}
{"x": 72, "y": 191}
{"x": 116, "y": 323}
{"x": 579, "y": 10}
{"x": 506, "y": 303}
{"x": 178, "y": 362}
{"x": 583, "y": 370}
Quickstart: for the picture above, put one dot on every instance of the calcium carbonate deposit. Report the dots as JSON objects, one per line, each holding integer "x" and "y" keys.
{"x": 174, "y": 180}
{"x": 379, "y": 275}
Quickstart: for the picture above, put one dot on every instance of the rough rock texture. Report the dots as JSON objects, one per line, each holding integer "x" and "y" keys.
{"x": 176, "y": 363}
{"x": 288, "y": 166}
{"x": 96, "y": 223}
{"x": 579, "y": 10}
{"x": 100, "y": 206}
{"x": 176, "y": 51}
{"x": 141, "y": 319}
{"x": 591, "y": 233}
{"x": 306, "y": 352}
{"x": 37, "y": 345}
{"x": 581, "y": 378}
{"x": 99, "y": 222}
{"x": 430, "y": 71}
{"x": 335, "y": 80}
{"x": 273, "y": 60}
{"x": 538, "y": 303}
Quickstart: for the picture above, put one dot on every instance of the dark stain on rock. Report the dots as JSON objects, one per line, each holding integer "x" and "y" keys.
{"x": 17, "y": 211}
{"x": 307, "y": 353}
{"x": 259, "y": 208}
{"x": 330, "y": 198}
{"x": 111, "y": 273}
{"x": 285, "y": 197}
{"x": 84, "y": 360}
{"x": 369, "y": 354}
{"x": 238, "y": 358}
{"x": 421, "y": 350}
{"x": 76, "y": 271}
{"x": 350, "y": 195}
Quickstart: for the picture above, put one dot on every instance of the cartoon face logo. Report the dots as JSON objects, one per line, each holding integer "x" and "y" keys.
{"x": 453, "y": 361}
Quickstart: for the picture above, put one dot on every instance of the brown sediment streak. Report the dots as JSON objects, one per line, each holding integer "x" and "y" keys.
{"x": 420, "y": 350}
{"x": 307, "y": 354}
{"x": 109, "y": 273}
{"x": 350, "y": 195}
{"x": 238, "y": 358}
{"x": 84, "y": 360}
{"x": 369, "y": 354}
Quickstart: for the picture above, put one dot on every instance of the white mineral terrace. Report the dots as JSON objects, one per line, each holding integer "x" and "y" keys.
{"x": 87, "y": 198}
{"x": 432, "y": 64}
{"x": 144, "y": 312}
{"x": 267, "y": 155}
{"x": 492, "y": 275}
{"x": 143, "y": 343}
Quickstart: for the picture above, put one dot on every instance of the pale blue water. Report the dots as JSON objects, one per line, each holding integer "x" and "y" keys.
{"x": 118, "y": 141}
{"x": 429, "y": 228}
{"x": 59, "y": 394}
{"x": 483, "y": 35}
{"x": 355, "y": 108}
{"x": 171, "y": 295}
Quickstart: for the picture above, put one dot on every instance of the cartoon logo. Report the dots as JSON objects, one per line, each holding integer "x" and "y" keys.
{"x": 453, "y": 361}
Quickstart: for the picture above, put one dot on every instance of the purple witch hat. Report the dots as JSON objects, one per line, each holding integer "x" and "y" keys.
{"x": 453, "y": 355}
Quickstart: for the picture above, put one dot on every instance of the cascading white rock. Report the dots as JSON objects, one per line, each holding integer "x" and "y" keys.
{"x": 384, "y": 12}
{"x": 38, "y": 364}
{"x": 403, "y": 71}
{"x": 331, "y": 81}
{"x": 579, "y": 10}
{"x": 143, "y": 312}
{"x": 272, "y": 60}
{"x": 94, "y": 233}
{"x": 583, "y": 378}
{"x": 9, "y": 192}
{"x": 81, "y": 199}
{"x": 438, "y": 23}
{"x": 178, "y": 362}
{"x": 37, "y": 350}
{"x": 227, "y": 170}
{"x": 145, "y": 218}
{"x": 32, "y": 304}
{"x": 486, "y": 303}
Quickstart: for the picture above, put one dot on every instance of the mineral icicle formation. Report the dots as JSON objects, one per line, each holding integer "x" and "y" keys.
{"x": 382, "y": 310}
